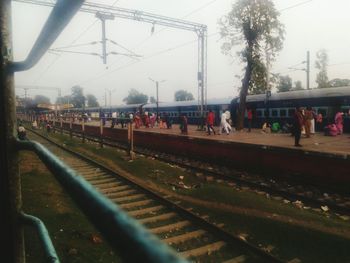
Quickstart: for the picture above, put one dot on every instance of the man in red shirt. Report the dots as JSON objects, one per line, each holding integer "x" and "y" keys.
{"x": 210, "y": 121}
{"x": 250, "y": 119}
{"x": 298, "y": 124}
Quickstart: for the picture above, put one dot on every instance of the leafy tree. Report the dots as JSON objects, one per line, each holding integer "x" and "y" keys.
{"x": 40, "y": 99}
{"x": 91, "y": 101}
{"x": 322, "y": 64}
{"x": 77, "y": 97}
{"x": 284, "y": 84}
{"x": 254, "y": 24}
{"x": 182, "y": 95}
{"x": 135, "y": 97}
{"x": 298, "y": 85}
{"x": 339, "y": 83}
{"x": 152, "y": 100}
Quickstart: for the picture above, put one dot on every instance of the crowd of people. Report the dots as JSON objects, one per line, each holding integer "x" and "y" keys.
{"x": 305, "y": 121}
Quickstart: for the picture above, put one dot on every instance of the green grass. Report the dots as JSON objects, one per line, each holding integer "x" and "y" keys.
{"x": 228, "y": 195}
{"x": 289, "y": 241}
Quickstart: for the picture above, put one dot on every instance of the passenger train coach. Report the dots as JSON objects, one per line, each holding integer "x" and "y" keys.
{"x": 279, "y": 107}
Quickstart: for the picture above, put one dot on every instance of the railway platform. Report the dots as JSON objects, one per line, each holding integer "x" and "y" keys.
{"x": 318, "y": 142}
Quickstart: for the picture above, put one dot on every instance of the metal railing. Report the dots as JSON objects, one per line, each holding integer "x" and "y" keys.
{"x": 132, "y": 241}
{"x": 50, "y": 252}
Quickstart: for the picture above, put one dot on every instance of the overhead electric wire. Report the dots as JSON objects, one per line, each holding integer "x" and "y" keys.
{"x": 117, "y": 44}
{"x": 77, "y": 52}
{"x": 147, "y": 57}
{"x": 79, "y": 45}
{"x": 185, "y": 16}
{"x": 57, "y": 58}
{"x": 296, "y": 5}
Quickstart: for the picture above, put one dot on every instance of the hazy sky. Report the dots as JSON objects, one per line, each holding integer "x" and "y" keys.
{"x": 171, "y": 54}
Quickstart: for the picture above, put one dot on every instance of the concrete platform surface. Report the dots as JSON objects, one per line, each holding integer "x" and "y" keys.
{"x": 317, "y": 142}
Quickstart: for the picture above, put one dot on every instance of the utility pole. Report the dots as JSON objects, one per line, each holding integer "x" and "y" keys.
{"x": 308, "y": 70}
{"x": 268, "y": 90}
{"x": 157, "y": 94}
{"x": 103, "y": 18}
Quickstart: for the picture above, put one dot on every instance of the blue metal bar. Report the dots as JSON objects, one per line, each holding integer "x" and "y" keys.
{"x": 43, "y": 235}
{"x": 132, "y": 241}
{"x": 61, "y": 14}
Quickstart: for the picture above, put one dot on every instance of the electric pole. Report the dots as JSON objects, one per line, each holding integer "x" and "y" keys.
{"x": 308, "y": 70}
{"x": 157, "y": 94}
{"x": 103, "y": 18}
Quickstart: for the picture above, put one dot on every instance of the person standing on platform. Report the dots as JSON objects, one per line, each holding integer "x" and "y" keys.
{"x": 210, "y": 122}
{"x": 224, "y": 125}
{"x": 308, "y": 117}
{"x": 339, "y": 121}
{"x": 183, "y": 125}
{"x": 298, "y": 124}
{"x": 250, "y": 119}
{"x": 319, "y": 121}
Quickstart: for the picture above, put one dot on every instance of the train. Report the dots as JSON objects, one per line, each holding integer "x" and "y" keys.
{"x": 278, "y": 107}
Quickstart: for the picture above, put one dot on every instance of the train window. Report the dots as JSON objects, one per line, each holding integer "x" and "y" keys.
{"x": 283, "y": 113}
{"x": 190, "y": 114}
{"x": 274, "y": 113}
{"x": 258, "y": 113}
{"x": 266, "y": 113}
{"x": 291, "y": 112}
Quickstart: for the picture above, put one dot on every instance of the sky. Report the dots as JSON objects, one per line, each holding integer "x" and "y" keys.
{"x": 170, "y": 55}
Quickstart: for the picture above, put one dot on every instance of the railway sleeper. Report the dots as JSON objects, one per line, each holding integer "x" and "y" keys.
{"x": 98, "y": 181}
{"x": 136, "y": 204}
{"x": 114, "y": 189}
{"x": 122, "y": 193}
{"x": 127, "y": 198}
{"x": 204, "y": 250}
{"x": 157, "y": 218}
{"x": 97, "y": 176}
{"x": 170, "y": 227}
{"x": 77, "y": 165}
{"x": 239, "y": 259}
{"x": 145, "y": 211}
{"x": 88, "y": 172}
{"x": 107, "y": 185}
{"x": 184, "y": 237}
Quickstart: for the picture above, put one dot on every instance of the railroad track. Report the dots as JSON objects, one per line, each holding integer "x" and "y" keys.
{"x": 302, "y": 195}
{"x": 191, "y": 236}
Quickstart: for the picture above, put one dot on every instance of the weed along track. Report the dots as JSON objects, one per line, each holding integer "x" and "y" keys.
{"x": 192, "y": 236}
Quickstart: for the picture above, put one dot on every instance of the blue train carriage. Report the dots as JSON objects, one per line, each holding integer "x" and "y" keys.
{"x": 191, "y": 109}
{"x": 280, "y": 107}
{"x": 107, "y": 111}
